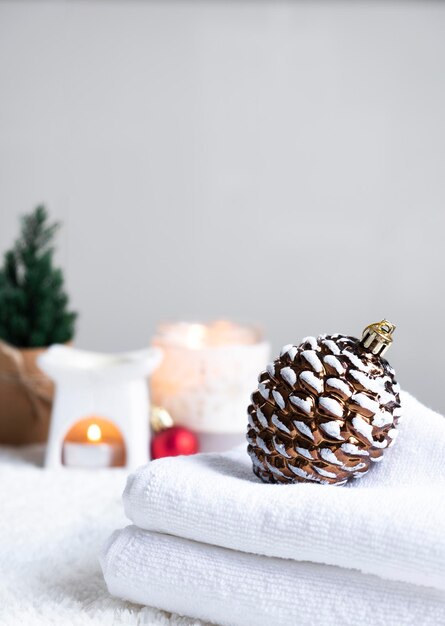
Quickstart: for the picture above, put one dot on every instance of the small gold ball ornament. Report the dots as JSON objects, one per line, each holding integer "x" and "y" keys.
{"x": 325, "y": 410}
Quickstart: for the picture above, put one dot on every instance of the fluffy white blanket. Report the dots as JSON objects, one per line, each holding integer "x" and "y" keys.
{"x": 52, "y": 527}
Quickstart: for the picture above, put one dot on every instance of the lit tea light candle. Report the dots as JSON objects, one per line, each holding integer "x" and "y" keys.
{"x": 94, "y": 452}
{"x": 206, "y": 377}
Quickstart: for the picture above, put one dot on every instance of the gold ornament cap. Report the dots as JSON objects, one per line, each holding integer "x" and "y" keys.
{"x": 160, "y": 419}
{"x": 377, "y": 337}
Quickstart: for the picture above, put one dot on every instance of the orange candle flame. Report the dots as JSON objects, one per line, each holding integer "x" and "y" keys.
{"x": 94, "y": 433}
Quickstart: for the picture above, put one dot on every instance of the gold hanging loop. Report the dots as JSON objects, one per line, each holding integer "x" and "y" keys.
{"x": 377, "y": 337}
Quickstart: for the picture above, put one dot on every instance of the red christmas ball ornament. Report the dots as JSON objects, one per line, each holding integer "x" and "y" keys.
{"x": 174, "y": 441}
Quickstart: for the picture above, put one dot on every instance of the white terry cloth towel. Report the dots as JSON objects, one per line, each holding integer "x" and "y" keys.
{"x": 390, "y": 523}
{"x": 236, "y": 588}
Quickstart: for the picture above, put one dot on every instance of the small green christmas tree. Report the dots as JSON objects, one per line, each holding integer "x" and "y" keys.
{"x": 33, "y": 304}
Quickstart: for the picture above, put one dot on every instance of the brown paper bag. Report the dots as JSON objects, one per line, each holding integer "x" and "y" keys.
{"x": 26, "y": 395}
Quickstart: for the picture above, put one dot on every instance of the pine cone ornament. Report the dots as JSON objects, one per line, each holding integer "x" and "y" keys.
{"x": 325, "y": 410}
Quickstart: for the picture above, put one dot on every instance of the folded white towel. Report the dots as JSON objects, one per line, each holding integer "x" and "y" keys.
{"x": 235, "y": 588}
{"x": 390, "y": 523}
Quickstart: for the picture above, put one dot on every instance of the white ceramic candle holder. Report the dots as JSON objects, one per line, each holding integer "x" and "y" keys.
{"x": 112, "y": 387}
{"x": 207, "y": 374}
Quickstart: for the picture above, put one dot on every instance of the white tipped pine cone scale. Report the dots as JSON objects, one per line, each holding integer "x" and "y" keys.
{"x": 325, "y": 410}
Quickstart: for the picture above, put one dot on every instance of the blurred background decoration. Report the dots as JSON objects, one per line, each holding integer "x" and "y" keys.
{"x": 33, "y": 315}
{"x": 206, "y": 376}
{"x": 101, "y": 409}
{"x": 277, "y": 162}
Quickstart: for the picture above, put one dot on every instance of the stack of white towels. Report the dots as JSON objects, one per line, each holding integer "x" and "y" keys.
{"x": 211, "y": 541}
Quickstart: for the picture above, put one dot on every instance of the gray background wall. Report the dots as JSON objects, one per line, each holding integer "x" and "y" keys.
{"x": 267, "y": 161}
